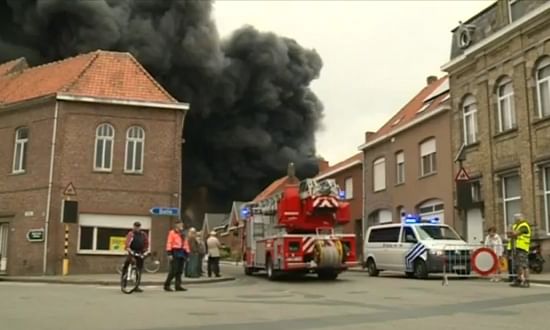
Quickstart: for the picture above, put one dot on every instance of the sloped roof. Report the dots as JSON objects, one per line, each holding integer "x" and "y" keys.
{"x": 411, "y": 111}
{"x": 354, "y": 160}
{"x": 100, "y": 74}
{"x": 12, "y": 66}
{"x": 236, "y": 216}
{"x": 213, "y": 220}
{"x": 272, "y": 189}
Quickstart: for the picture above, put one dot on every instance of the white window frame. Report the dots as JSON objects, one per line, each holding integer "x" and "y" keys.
{"x": 432, "y": 155}
{"x": 101, "y": 135}
{"x": 19, "y": 163}
{"x": 113, "y": 222}
{"x": 505, "y": 199}
{"x": 542, "y": 65}
{"x": 379, "y": 163}
{"x": 348, "y": 186}
{"x": 469, "y": 118}
{"x": 508, "y": 99}
{"x": 134, "y": 135}
{"x": 400, "y": 167}
{"x": 546, "y": 188}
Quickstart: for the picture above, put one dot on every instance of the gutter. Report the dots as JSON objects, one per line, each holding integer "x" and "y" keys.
{"x": 415, "y": 122}
{"x": 510, "y": 27}
{"x": 73, "y": 98}
{"x": 50, "y": 187}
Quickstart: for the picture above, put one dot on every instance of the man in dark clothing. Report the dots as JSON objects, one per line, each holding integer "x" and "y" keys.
{"x": 138, "y": 242}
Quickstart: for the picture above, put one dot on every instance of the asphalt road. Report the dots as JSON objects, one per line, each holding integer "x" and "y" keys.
{"x": 355, "y": 301}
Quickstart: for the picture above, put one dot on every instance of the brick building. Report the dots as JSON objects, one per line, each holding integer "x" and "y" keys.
{"x": 499, "y": 76}
{"x": 407, "y": 162}
{"x": 348, "y": 174}
{"x": 101, "y": 123}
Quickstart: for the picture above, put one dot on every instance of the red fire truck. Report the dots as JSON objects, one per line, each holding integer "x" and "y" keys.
{"x": 293, "y": 231}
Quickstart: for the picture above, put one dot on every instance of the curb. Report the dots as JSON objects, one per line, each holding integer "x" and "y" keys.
{"x": 108, "y": 282}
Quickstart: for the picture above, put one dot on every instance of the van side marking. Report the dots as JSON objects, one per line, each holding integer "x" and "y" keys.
{"x": 415, "y": 251}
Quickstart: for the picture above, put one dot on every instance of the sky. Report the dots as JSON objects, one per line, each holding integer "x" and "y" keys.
{"x": 376, "y": 54}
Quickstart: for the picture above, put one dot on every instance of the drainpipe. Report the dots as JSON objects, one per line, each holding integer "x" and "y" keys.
{"x": 182, "y": 142}
{"x": 50, "y": 186}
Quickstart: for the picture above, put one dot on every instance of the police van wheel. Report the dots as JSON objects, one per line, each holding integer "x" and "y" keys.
{"x": 371, "y": 268}
{"x": 420, "y": 269}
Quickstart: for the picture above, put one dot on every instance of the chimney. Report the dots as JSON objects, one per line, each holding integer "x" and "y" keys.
{"x": 431, "y": 79}
{"x": 368, "y": 136}
{"x": 323, "y": 165}
{"x": 15, "y": 66}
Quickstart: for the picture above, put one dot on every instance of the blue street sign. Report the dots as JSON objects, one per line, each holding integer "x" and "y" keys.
{"x": 166, "y": 211}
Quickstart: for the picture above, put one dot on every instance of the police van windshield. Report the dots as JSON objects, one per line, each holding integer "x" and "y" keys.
{"x": 437, "y": 232}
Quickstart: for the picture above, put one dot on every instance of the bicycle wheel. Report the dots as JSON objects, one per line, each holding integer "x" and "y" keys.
{"x": 119, "y": 268}
{"x": 151, "y": 265}
{"x": 129, "y": 280}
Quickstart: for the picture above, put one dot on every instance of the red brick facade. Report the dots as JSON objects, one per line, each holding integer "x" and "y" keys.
{"x": 109, "y": 196}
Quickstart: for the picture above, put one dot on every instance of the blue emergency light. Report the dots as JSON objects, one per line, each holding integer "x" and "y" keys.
{"x": 342, "y": 194}
{"x": 245, "y": 212}
{"x": 412, "y": 218}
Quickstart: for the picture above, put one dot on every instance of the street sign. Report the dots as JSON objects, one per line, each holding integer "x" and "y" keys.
{"x": 165, "y": 211}
{"x": 69, "y": 190}
{"x": 462, "y": 175}
{"x": 35, "y": 235}
{"x": 484, "y": 261}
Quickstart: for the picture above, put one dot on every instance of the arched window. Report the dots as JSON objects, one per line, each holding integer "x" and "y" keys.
{"x": 104, "y": 138}
{"x": 428, "y": 159}
{"x": 135, "y": 139}
{"x": 432, "y": 210}
{"x": 543, "y": 87}
{"x": 505, "y": 107}
{"x": 20, "y": 150}
{"x": 469, "y": 111}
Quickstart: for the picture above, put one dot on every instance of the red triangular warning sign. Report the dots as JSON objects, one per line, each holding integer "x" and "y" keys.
{"x": 462, "y": 175}
{"x": 69, "y": 190}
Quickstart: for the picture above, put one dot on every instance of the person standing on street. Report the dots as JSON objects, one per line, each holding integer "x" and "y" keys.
{"x": 202, "y": 251}
{"x": 520, "y": 242}
{"x": 138, "y": 242}
{"x": 494, "y": 242}
{"x": 213, "y": 245}
{"x": 177, "y": 249}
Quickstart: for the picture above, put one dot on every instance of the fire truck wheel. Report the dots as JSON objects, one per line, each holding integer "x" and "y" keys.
{"x": 271, "y": 273}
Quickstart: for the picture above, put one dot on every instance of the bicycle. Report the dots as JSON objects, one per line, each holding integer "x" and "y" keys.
{"x": 129, "y": 281}
{"x": 151, "y": 264}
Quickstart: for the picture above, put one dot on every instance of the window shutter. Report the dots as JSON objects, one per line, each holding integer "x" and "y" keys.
{"x": 427, "y": 147}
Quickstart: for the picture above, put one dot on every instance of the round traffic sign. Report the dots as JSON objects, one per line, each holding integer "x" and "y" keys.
{"x": 484, "y": 261}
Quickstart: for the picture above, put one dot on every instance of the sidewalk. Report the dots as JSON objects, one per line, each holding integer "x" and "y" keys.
{"x": 109, "y": 279}
{"x": 543, "y": 278}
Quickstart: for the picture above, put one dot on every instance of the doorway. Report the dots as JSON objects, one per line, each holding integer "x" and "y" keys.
{"x": 4, "y": 230}
{"x": 474, "y": 226}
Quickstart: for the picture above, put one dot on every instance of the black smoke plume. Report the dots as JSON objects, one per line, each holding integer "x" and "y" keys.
{"x": 252, "y": 110}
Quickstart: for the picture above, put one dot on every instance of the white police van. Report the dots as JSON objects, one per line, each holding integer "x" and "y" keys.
{"x": 416, "y": 247}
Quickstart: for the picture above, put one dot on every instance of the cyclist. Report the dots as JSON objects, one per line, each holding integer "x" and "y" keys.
{"x": 138, "y": 242}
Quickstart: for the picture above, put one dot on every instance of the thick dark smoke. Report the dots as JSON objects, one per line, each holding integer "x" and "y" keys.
{"x": 252, "y": 108}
